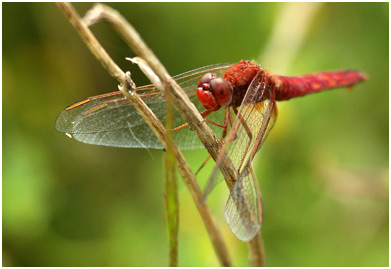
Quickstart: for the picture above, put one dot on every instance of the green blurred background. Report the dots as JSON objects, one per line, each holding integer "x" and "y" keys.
{"x": 323, "y": 171}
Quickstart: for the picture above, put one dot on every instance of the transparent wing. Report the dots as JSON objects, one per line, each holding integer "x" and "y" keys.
{"x": 243, "y": 210}
{"x": 111, "y": 120}
{"x": 253, "y": 122}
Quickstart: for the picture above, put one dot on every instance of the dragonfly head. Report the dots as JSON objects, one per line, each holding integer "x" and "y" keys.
{"x": 213, "y": 92}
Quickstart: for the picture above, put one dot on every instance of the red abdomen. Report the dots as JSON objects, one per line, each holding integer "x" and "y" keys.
{"x": 289, "y": 87}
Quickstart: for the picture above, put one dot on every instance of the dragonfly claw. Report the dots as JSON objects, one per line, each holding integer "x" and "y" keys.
{"x": 213, "y": 145}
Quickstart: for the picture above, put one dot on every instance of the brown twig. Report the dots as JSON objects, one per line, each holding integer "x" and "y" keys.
{"x": 182, "y": 103}
{"x": 180, "y": 100}
{"x": 257, "y": 251}
{"x": 153, "y": 122}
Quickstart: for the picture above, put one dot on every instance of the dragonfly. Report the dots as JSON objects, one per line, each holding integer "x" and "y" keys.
{"x": 248, "y": 94}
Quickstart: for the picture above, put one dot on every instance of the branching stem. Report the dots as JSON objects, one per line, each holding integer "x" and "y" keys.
{"x": 180, "y": 100}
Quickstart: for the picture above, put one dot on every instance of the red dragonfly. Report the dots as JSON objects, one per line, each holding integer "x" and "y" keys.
{"x": 245, "y": 88}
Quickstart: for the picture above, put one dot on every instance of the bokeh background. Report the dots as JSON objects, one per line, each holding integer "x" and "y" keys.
{"x": 323, "y": 171}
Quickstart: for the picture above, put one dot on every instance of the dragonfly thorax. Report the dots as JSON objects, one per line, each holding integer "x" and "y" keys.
{"x": 240, "y": 76}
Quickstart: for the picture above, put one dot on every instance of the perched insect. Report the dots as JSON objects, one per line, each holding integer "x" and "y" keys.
{"x": 245, "y": 88}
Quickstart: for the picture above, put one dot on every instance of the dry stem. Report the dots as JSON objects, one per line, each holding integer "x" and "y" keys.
{"x": 180, "y": 100}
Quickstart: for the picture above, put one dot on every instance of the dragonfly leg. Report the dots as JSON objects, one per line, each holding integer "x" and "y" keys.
{"x": 202, "y": 165}
{"x": 208, "y": 158}
{"x": 180, "y": 127}
{"x": 235, "y": 136}
{"x": 206, "y": 113}
{"x": 227, "y": 120}
{"x": 203, "y": 114}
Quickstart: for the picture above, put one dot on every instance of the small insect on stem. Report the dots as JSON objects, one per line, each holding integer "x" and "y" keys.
{"x": 244, "y": 88}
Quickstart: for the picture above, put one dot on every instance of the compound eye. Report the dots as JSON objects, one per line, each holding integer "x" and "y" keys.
{"x": 222, "y": 91}
{"x": 205, "y": 79}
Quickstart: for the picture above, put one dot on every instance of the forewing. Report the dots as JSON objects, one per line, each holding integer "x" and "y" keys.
{"x": 111, "y": 120}
{"x": 255, "y": 119}
{"x": 253, "y": 122}
{"x": 243, "y": 210}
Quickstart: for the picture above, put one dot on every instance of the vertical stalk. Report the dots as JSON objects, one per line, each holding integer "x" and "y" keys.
{"x": 171, "y": 194}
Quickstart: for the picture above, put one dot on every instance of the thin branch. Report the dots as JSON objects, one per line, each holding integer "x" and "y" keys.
{"x": 180, "y": 100}
{"x": 182, "y": 103}
{"x": 154, "y": 123}
{"x": 257, "y": 251}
